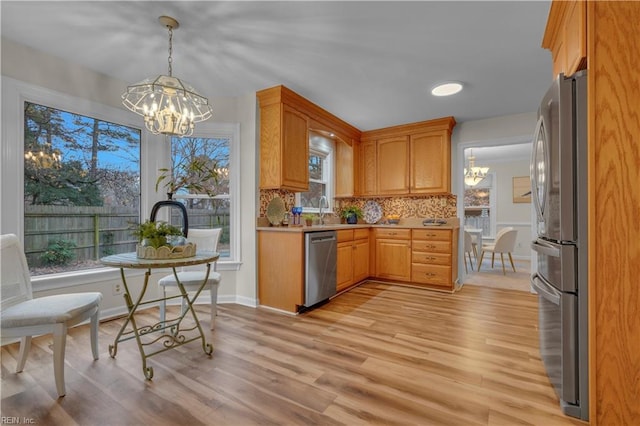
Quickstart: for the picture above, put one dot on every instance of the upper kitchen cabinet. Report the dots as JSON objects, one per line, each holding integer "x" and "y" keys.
{"x": 284, "y": 143}
{"x": 365, "y": 177}
{"x": 566, "y": 36}
{"x": 407, "y": 159}
{"x": 285, "y": 121}
{"x": 393, "y": 166}
{"x": 430, "y": 154}
{"x": 345, "y": 166}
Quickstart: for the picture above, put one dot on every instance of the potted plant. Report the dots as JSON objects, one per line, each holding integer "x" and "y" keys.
{"x": 351, "y": 214}
{"x": 160, "y": 240}
{"x": 157, "y": 234}
{"x": 308, "y": 219}
{"x": 197, "y": 175}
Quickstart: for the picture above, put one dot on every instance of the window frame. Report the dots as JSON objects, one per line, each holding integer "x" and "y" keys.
{"x": 231, "y": 131}
{"x": 492, "y": 202}
{"x": 327, "y": 173}
{"x": 16, "y": 92}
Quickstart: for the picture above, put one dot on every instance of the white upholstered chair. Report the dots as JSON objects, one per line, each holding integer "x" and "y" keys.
{"x": 192, "y": 277}
{"x": 468, "y": 250}
{"x": 23, "y": 316}
{"x": 505, "y": 243}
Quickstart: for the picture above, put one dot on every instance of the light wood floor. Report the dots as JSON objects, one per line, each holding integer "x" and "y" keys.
{"x": 494, "y": 278}
{"x": 378, "y": 354}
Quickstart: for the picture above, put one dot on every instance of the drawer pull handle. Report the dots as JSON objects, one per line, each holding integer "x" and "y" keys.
{"x": 430, "y": 274}
{"x": 431, "y": 235}
{"x": 431, "y": 246}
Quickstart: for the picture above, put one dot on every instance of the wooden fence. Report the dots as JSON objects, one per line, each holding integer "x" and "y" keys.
{"x": 98, "y": 231}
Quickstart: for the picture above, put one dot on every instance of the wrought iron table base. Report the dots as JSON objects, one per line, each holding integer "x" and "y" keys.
{"x": 171, "y": 340}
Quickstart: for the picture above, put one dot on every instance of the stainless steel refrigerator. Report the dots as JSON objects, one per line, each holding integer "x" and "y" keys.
{"x": 559, "y": 194}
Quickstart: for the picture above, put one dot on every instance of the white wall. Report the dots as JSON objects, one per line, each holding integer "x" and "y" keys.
{"x": 30, "y": 66}
{"x": 508, "y": 213}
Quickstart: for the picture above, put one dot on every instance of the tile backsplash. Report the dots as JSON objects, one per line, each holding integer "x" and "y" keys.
{"x": 440, "y": 206}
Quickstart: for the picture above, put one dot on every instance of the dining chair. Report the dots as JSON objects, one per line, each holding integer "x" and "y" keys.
{"x": 22, "y": 316}
{"x": 468, "y": 249}
{"x": 505, "y": 243}
{"x": 192, "y": 277}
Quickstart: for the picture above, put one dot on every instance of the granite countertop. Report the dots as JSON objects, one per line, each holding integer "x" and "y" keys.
{"x": 408, "y": 223}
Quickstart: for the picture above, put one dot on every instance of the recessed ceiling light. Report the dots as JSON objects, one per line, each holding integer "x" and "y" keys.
{"x": 446, "y": 89}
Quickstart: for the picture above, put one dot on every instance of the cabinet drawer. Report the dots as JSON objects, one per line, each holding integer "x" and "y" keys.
{"x": 431, "y": 274}
{"x": 432, "y": 234}
{"x": 360, "y": 233}
{"x": 398, "y": 234}
{"x": 431, "y": 258}
{"x": 432, "y": 246}
{"x": 345, "y": 235}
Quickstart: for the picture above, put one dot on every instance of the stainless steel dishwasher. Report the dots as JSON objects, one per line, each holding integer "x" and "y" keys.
{"x": 320, "y": 266}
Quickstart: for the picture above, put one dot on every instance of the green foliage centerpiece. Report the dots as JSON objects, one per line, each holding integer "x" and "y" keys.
{"x": 160, "y": 240}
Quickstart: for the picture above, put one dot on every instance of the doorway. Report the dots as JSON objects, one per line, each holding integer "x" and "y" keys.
{"x": 491, "y": 202}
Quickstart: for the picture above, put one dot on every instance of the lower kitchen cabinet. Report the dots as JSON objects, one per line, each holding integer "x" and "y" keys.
{"x": 281, "y": 270}
{"x": 393, "y": 254}
{"x": 353, "y": 257}
{"x": 434, "y": 258}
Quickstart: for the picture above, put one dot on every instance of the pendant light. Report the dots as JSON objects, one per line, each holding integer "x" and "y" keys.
{"x": 169, "y": 105}
{"x": 473, "y": 175}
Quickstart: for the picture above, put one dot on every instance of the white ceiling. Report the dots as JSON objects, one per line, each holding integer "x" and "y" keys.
{"x": 370, "y": 63}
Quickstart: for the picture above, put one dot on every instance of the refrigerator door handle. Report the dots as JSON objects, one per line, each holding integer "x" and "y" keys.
{"x": 545, "y": 248}
{"x": 545, "y": 290}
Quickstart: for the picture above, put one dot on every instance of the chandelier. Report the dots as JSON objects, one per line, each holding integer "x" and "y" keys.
{"x": 46, "y": 158}
{"x": 473, "y": 175}
{"x": 169, "y": 105}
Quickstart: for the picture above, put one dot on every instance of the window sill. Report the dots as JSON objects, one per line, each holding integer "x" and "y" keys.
{"x": 92, "y": 276}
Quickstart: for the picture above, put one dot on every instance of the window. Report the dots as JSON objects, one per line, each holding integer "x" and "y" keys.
{"x": 81, "y": 189}
{"x": 210, "y": 154}
{"x": 479, "y": 206}
{"x": 320, "y": 174}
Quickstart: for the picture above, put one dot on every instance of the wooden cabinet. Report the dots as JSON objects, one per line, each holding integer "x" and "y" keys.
{"x": 408, "y": 159}
{"x": 566, "y": 36}
{"x": 281, "y": 270}
{"x": 430, "y": 167}
{"x": 434, "y": 257}
{"x": 345, "y": 162}
{"x": 393, "y": 254}
{"x": 353, "y": 257}
{"x": 392, "y": 168}
{"x": 285, "y": 121}
{"x": 284, "y": 144}
{"x": 366, "y": 168}
{"x": 613, "y": 79}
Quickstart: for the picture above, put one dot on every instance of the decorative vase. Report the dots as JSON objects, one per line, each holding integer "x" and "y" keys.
{"x": 352, "y": 219}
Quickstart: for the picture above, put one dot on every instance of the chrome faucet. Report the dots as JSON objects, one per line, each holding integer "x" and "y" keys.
{"x": 321, "y": 205}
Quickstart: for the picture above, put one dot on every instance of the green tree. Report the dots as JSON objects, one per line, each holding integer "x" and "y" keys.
{"x": 78, "y": 180}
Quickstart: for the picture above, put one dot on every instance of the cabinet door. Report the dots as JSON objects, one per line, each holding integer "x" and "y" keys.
{"x": 360, "y": 260}
{"x": 367, "y": 168}
{"x": 430, "y": 163}
{"x": 393, "y": 259}
{"x": 344, "y": 265}
{"x": 295, "y": 150}
{"x": 393, "y": 166}
{"x": 344, "y": 169}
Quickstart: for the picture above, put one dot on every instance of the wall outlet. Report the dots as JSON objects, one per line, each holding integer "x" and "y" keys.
{"x": 443, "y": 202}
{"x": 117, "y": 289}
